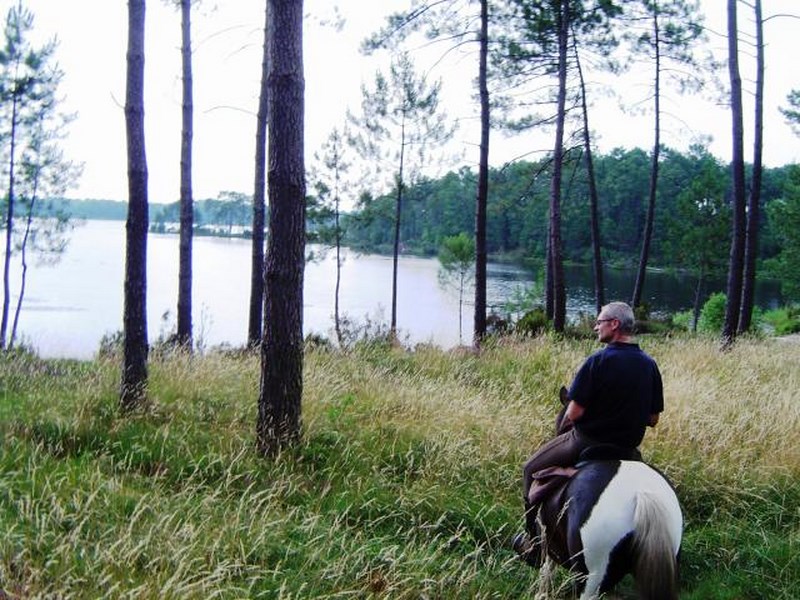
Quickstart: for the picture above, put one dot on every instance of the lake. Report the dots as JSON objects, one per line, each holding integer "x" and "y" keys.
{"x": 68, "y": 307}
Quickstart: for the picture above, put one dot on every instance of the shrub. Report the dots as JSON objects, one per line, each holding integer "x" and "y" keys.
{"x": 111, "y": 345}
{"x": 682, "y": 320}
{"x": 532, "y": 322}
{"x": 712, "y": 315}
{"x": 784, "y": 321}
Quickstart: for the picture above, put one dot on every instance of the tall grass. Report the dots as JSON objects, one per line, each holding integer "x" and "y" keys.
{"x": 405, "y": 485}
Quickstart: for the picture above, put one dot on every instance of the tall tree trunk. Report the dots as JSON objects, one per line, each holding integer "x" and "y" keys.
{"x": 187, "y": 208}
{"x": 460, "y": 306}
{"x": 281, "y": 388}
{"x": 556, "y": 260}
{"x": 337, "y": 323}
{"x": 698, "y": 294}
{"x": 753, "y": 206}
{"x": 254, "y": 328}
{"x": 9, "y": 223}
{"x": 37, "y": 170}
{"x": 597, "y": 259}
{"x": 549, "y": 304}
{"x": 638, "y": 287}
{"x": 481, "y": 200}
{"x": 24, "y": 261}
{"x": 736, "y": 261}
{"x": 134, "y": 370}
{"x": 396, "y": 250}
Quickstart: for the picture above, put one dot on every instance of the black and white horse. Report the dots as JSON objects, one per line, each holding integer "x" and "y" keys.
{"x": 611, "y": 518}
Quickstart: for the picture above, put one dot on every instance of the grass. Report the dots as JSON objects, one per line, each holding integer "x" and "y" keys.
{"x": 406, "y": 483}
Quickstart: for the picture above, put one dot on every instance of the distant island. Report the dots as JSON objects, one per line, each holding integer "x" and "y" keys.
{"x": 230, "y": 217}
{"x": 99, "y": 210}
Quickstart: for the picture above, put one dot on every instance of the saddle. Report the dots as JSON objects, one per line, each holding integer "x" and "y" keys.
{"x": 547, "y": 481}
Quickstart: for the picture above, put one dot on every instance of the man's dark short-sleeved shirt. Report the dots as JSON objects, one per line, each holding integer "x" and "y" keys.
{"x": 619, "y": 387}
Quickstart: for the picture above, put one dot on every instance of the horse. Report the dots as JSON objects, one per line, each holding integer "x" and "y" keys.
{"x": 611, "y": 517}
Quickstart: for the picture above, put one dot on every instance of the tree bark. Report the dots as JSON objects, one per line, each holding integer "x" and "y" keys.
{"x": 698, "y": 294}
{"x": 187, "y": 208}
{"x": 397, "y": 216}
{"x": 638, "y": 288}
{"x": 556, "y": 260}
{"x": 337, "y": 321}
{"x": 254, "y": 329}
{"x": 754, "y": 201}
{"x": 597, "y": 258}
{"x": 736, "y": 260}
{"x": 134, "y": 371}
{"x": 281, "y": 388}
{"x": 9, "y": 223}
{"x": 481, "y": 200}
{"x": 24, "y": 261}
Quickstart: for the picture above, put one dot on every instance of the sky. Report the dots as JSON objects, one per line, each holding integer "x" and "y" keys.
{"x": 227, "y": 39}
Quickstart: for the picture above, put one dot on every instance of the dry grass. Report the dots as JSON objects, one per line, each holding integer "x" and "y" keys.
{"x": 733, "y": 415}
{"x": 405, "y": 484}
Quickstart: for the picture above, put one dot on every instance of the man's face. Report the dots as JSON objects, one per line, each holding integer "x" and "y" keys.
{"x": 605, "y": 327}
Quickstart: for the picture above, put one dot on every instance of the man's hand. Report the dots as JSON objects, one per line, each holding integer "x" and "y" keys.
{"x": 574, "y": 411}
{"x": 653, "y": 419}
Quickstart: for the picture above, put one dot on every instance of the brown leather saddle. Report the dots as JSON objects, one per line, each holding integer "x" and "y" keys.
{"x": 547, "y": 481}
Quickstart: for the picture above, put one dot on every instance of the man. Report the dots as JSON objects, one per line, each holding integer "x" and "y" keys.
{"x": 615, "y": 395}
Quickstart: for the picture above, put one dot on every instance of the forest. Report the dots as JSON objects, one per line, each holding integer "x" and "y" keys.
{"x": 692, "y": 213}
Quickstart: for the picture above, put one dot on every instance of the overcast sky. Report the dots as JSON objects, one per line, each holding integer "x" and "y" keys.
{"x": 227, "y": 36}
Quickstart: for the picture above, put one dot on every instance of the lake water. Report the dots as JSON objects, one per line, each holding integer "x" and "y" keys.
{"x": 70, "y": 306}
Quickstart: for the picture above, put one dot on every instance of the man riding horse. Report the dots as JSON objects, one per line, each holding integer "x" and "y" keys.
{"x": 615, "y": 395}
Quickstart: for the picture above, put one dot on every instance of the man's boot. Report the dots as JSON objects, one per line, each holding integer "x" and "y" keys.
{"x": 528, "y": 544}
{"x": 529, "y": 549}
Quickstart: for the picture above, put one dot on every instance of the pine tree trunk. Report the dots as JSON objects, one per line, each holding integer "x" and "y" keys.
{"x": 254, "y": 327}
{"x": 187, "y": 208}
{"x": 736, "y": 260}
{"x": 281, "y": 389}
{"x": 597, "y": 259}
{"x": 753, "y": 206}
{"x": 556, "y": 260}
{"x": 337, "y": 323}
{"x": 24, "y": 260}
{"x": 698, "y": 294}
{"x": 644, "y": 256}
{"x": 481, "y": 200}
{"x": 9, "y": 226}
{"x": 396, "y": 250}
{"x": 134, "y": 371}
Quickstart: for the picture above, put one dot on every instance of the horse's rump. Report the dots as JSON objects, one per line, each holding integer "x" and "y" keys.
{"x": 591, "y": 523}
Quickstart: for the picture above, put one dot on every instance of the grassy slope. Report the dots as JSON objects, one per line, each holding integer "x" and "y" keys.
{"x": 406, "y": 484}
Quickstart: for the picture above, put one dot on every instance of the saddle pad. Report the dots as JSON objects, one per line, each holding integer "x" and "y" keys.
{"x": 547, "y": 481}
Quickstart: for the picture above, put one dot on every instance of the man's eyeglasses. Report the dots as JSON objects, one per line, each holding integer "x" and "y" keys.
{"x": 598, "y": 321}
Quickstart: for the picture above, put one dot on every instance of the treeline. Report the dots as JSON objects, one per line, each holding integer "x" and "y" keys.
{"x": 230, "y": 210}
{"x": 692, "y": 215}
{"x": 99, "y": 210}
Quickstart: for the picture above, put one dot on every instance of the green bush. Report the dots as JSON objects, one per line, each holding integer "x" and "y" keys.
{"x": 712, "y": 315}
{"x": 682, "y": 320}
{"x": 532, "y": 322}
{"x": 784, "y": 321}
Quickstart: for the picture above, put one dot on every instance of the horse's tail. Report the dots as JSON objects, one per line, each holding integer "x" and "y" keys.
{"x": 656, "y": 564}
